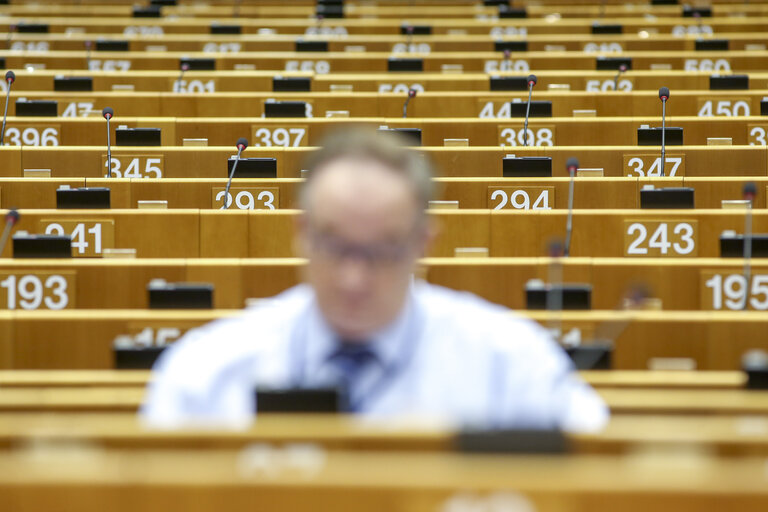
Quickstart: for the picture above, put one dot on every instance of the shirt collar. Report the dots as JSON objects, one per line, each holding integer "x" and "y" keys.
{"x": 386, "y": 343}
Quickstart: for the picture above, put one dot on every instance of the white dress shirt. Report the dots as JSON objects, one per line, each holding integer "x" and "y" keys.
{"x": 449, "y": 355}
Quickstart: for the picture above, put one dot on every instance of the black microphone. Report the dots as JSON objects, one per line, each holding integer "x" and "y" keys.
{"x": 409, "y": 38}
{"x": 571, "y": 165}
{"x": 184, "y": 69}
{"x": 108, "y": 113}
{"x": 622, "y": 69}
{"x": 664, "y": 96}
{"x": 411, "y": 94}
{"x": 11, "y": 29}
{"x": 507, "y": 64}
{"x": 10, "y": 77}
{"x": 11, "y": 218}
{"x": 749, "y": 192}
{"x": 242, "y": 143}
{"x": 531, "y": 82}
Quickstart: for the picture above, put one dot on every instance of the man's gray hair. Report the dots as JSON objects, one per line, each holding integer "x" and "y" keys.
{"x": 387, "y": 148}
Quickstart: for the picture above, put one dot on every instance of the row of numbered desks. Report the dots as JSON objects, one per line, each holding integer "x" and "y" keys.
{"x": 41, "y": 80}
{"x": 459, "y": 26}
{"x": 471, "y": 193}
{"x": 362, "y": 61}
{"x": 456, "y": 162}
{"x": 399, "y": 43}
{"x": 702, "y": 301}
{"x": 210, "y": 233}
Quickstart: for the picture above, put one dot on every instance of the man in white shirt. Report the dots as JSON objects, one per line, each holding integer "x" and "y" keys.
{"x": 398, "y": 347}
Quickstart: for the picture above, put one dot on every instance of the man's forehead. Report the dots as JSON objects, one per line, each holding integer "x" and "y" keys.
{"x": 360, "y": 175}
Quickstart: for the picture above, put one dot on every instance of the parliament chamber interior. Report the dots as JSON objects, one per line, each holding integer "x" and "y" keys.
{"x": 600, "y": 167}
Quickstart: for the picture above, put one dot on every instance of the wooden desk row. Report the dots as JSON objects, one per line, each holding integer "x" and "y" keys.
{"x": 307, "y": 480}
{"x": 340, "y": 27}
{"x": 508, "y": 232}
{"x": 248, "y": 81}
{"x": 680, "y": 284}
{"x": 620, "y": 401}
{"x": 471, "y": 193}
{"x": 716, "y": 435}
{"x": 396, "y": 43}
{"x": 83, "y": 339}
{"x": 357, "y": 62}
{"x": 456, "y": 162}
{"x": 635, "y": 379}
{"x": 441, "y": 10}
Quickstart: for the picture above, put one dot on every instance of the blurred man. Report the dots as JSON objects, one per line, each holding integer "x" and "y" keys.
{"x": 398, "y": 347}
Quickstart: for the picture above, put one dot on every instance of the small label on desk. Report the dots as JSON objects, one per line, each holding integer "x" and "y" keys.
{"x": 89, "y": 237}
{"x": 727, "y": 290}
{"x": 538, "y": 135}
{"x": 724, "y": 106}
{"x": 193, "y": 85}
{"x": 521, "y": 198}
{"x": 284, "y": 136}
{"x": 649, "y": 165}
{"x": 251, "y": 198}
{"x": 76, "y": 107}
{"x": 158, "y": 334}
{"x": 661, "y": 238}
{"x": 135, "y": 166}
{"x": 37, "y": 290}
{"x": 33, "y": 134}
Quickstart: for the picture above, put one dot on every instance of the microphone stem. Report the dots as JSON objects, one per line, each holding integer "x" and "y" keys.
{"x": 405, "y": 107}
{"x": 569, "y": 220}
{"x": 109, "y": 151}
{"x": 2, "y": 133}
{"x": 747, "y": 252}
{"x": 527, "y": 113}
{"x": 663, "y": 136}
{"x": 6, "y": 232}
{"x": 225, "y": 206}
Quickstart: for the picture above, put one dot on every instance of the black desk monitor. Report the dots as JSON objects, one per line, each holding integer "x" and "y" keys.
{"x": 73, "y": 83}
{"x": 733, "y": 246}
{"x": 673, "y": 136}
{"x": 666, "y": 198}
{"x": 397, "y": 64}
{"x": 507, "y": 12}
{"x": 612, "y": 63}
{"x": 411, "y": 136}
{"x": 527, "y": 167}
{"x": 291, "y": 84}
{"x": 608, "y": 28}
{"x": 728, "y": 82}
{"x": 299, "y": 400}
{"x": 198, "y": 64}
{"x": 512, "y": 46}
{"x": 253, "y": 167}
{"x": 285, "y": 109}
{"x": 104, "y": 45}
{"x": 311, "y": 46}
{"x": 572, "y": 296}
{"x": 217, "y": 29}
{"x": 42, "y": 246}
{"x": 330, "y": 11}
{"x": 540, "y": 108}
{"x": 136, "y": 358}
{"x": 594, "y": 356}
{"x": 702, "y": 12}
{"x": 83, "y": 198}
{"x": 530, "y": 441}
{"x": 180, "y": 296}
{"x": 509, "y": 83}
{"x": 37, "y": 108}
{"x": 151, "y": 11}
{"x": 712, "y": 45}
{"x": 32, "y": 28}
{"x": 138, "y": 137}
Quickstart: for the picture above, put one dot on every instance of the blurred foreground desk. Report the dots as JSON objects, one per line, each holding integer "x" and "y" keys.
{"x": 312, "y": 479}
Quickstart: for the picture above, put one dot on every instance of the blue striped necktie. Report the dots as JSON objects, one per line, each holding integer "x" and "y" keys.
{"x": 351, "y": 359}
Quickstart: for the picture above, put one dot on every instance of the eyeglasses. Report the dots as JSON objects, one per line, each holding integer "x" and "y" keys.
{"x": 334, "y": 248}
